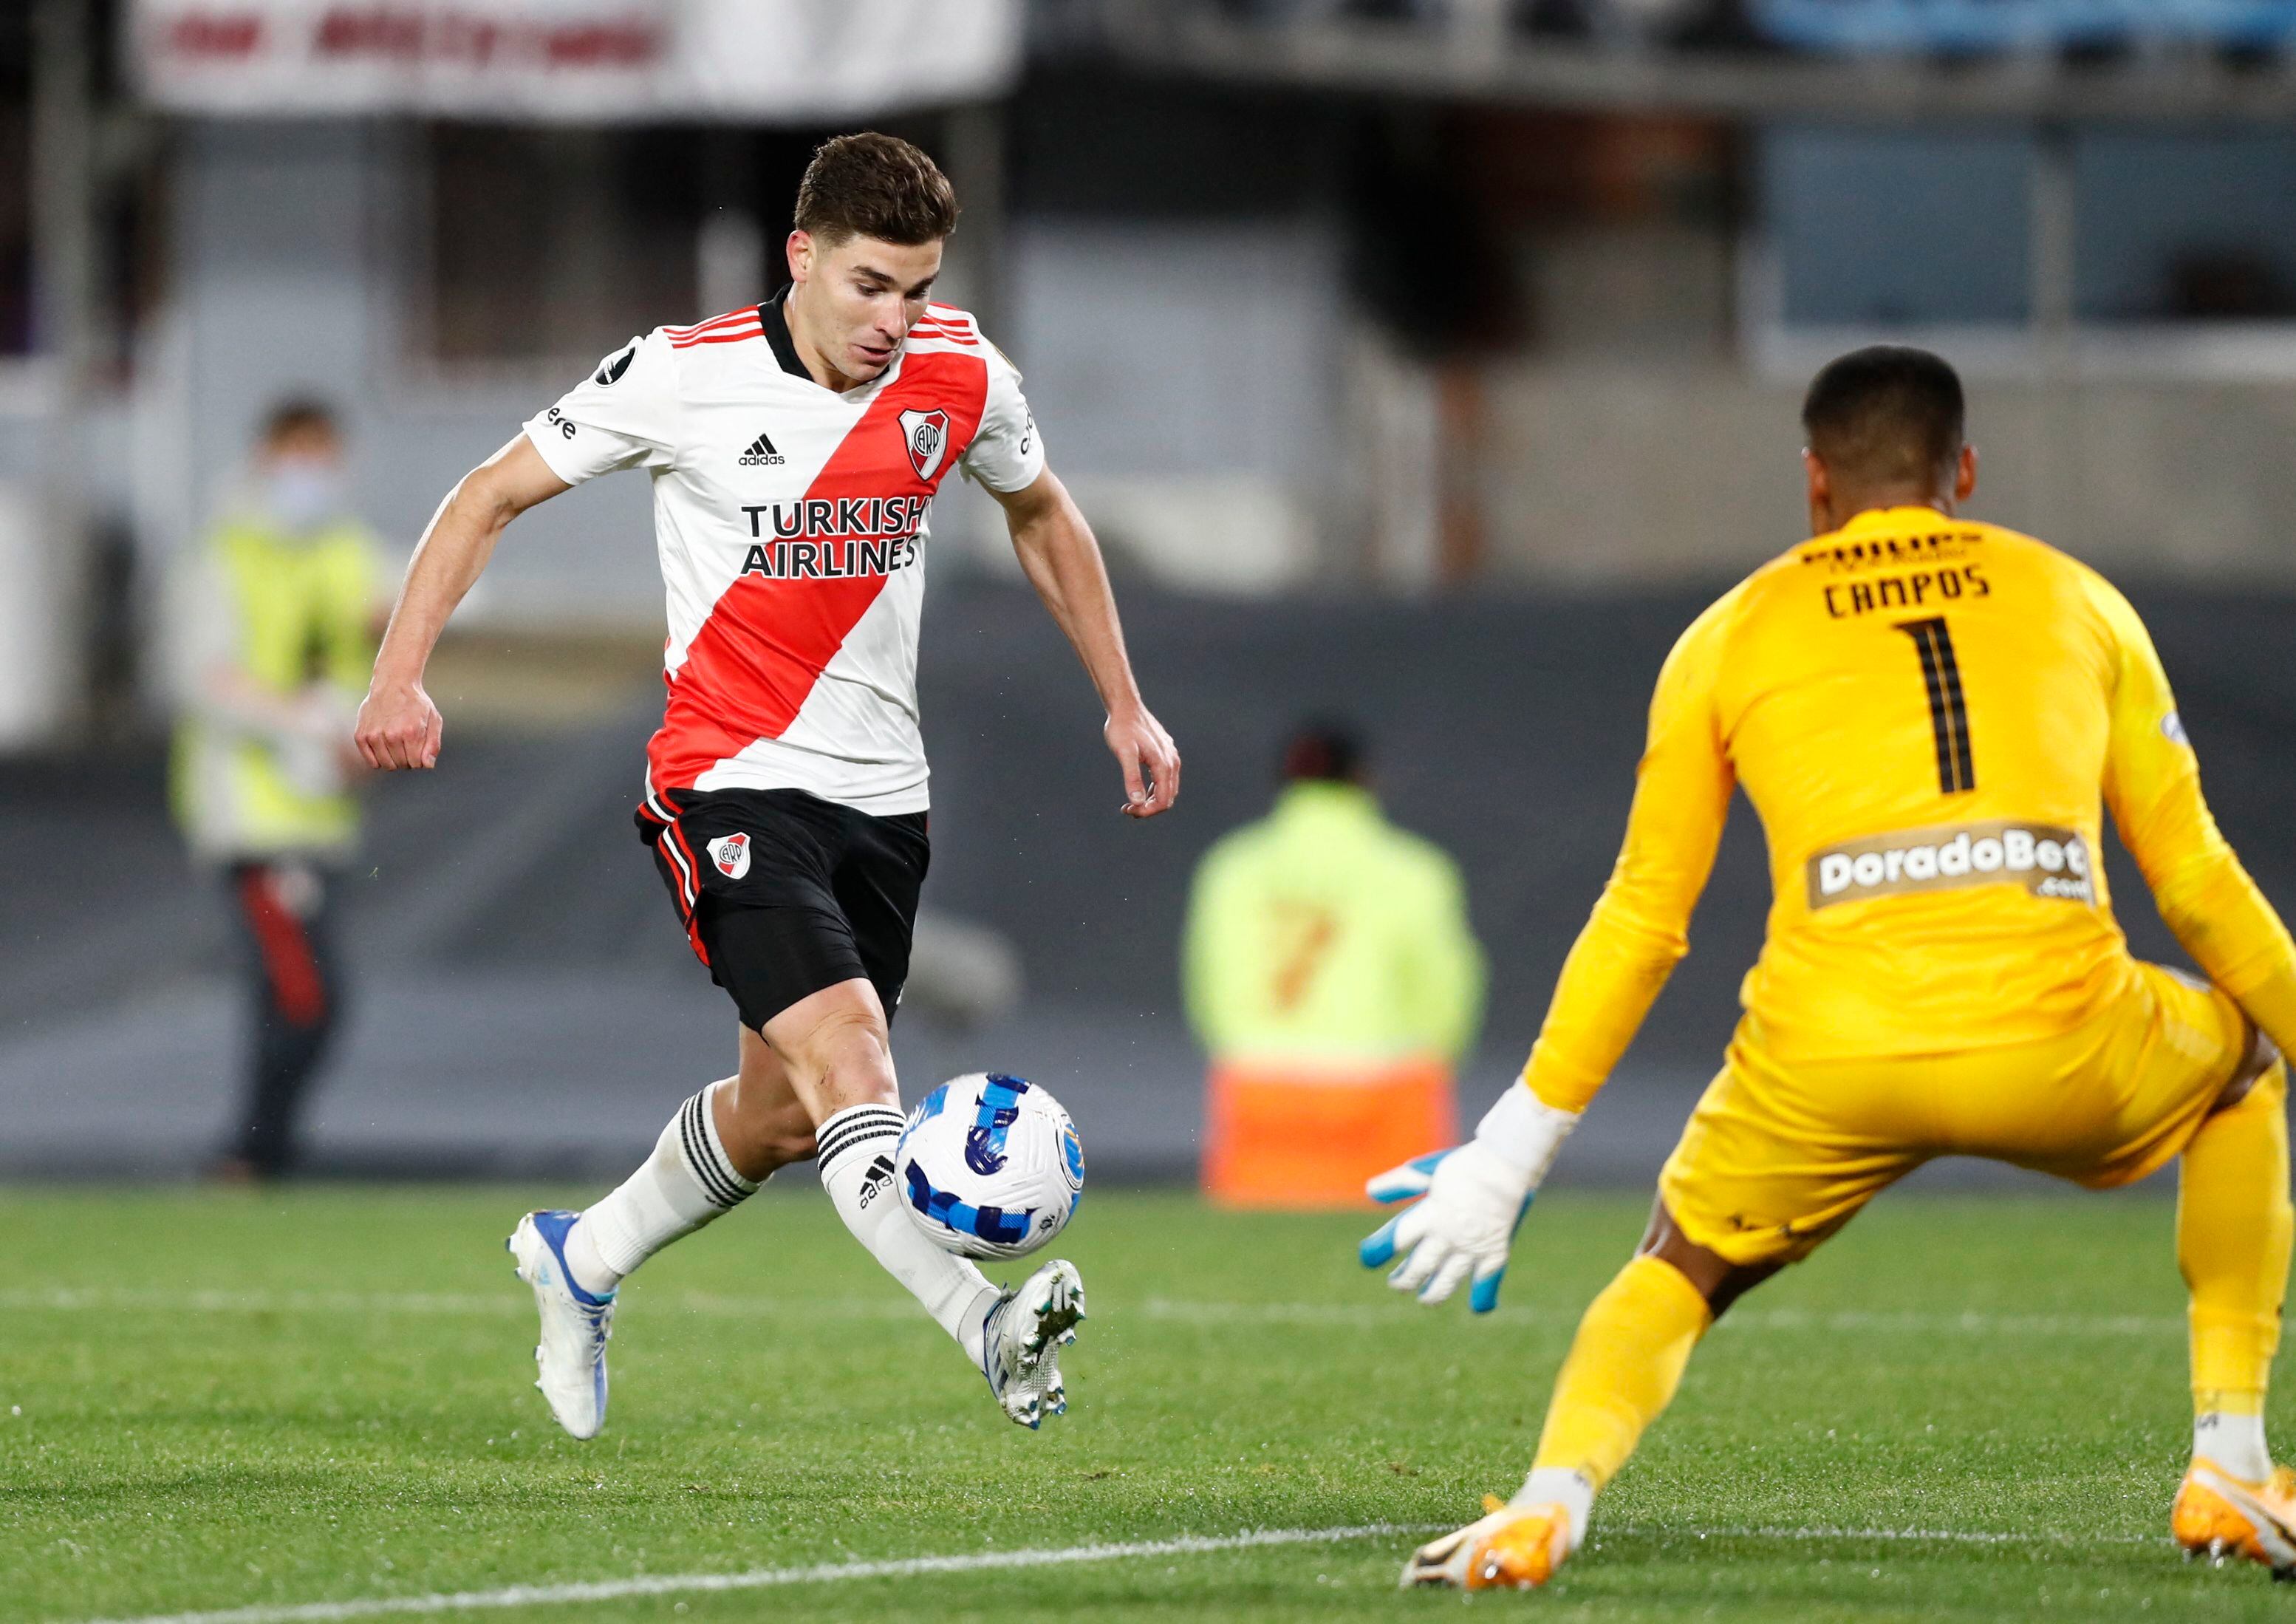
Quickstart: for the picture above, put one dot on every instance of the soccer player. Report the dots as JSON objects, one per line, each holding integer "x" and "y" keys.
{"x": 1928, "y": 714}
{"x": 794, "y": 448}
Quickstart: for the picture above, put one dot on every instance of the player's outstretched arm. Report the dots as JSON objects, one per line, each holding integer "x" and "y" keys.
{"x": 1063, "y": 561}
{"x": 2152, "y": 784}
{"x": 1471, "y": 1198}
{"x": 398, "y": 727}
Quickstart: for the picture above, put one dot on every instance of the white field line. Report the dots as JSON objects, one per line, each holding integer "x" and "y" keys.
{"x": 987, "y": 1562}
{"x": 760, "y": 1578}
{"x": 1889, "y": 1324}
{"x": 1369, "y": 1315}
{"x": 1850, "y": 1536}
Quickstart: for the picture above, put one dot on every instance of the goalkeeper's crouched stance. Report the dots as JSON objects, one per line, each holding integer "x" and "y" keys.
{"x": 2233, "y": 1225}
{"x": 1929, "y": 714}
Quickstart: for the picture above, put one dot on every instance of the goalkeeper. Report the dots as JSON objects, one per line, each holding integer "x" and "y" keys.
{"x": 1929, "y": 715}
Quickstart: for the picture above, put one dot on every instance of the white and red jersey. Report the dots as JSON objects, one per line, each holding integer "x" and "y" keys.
{"x": 791, "y": 522}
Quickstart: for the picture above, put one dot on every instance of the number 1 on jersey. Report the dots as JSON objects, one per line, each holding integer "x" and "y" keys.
{"x": 1949, "y": 715}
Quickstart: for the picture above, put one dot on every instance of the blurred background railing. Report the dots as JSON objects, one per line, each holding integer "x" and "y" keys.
{"x": 1424, "y": 362}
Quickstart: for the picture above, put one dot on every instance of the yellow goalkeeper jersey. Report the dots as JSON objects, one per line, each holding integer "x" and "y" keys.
{"x": 1928, "y": 714}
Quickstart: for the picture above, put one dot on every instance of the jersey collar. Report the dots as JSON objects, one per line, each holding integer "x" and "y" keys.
{"x": 1905, "y": 515}
{"x": 777, "y": 334}
{"x": 774, "y": 318}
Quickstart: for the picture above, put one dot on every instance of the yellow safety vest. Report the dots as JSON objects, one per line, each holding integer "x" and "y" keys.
{"x": 287, "y": 610}
{"x": 1324, "y": 933}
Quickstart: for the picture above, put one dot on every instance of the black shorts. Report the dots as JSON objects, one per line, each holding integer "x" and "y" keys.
{"x": 783, "y": 893}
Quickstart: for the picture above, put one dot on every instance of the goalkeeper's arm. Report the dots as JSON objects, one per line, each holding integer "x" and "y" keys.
{"x": 2152, "y": 784}
{"x": 1476, "y": 1195}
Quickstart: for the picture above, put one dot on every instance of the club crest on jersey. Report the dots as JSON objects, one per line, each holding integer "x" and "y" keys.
{"x": 731, "y": 854}
{"x": 925, "y": 437}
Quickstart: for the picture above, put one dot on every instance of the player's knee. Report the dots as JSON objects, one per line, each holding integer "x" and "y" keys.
{"x": 854, "y": 1036}
{"x": 850, "y": 1052}
{"x": 1712, "y": 1276}
{"x": 2259, "y": 1067}
{"x": 2272, "y": 1082}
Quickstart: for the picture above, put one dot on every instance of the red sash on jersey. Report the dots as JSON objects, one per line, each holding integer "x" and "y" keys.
{"x": 750, "y": 670}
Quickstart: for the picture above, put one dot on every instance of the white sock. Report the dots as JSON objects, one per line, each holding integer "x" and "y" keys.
{"x": 688, "y": 1181}
{"x": 1560, "y": 1483}
{"x": 2234, "y": 1442}
{"x": 857, "y": 1168}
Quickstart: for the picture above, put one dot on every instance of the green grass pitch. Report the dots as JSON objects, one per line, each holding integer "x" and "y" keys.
{"x": 1963, "y": 1408}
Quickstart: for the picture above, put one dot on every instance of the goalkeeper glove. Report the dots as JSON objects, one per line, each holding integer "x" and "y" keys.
{"x": 1476, "y": 1195}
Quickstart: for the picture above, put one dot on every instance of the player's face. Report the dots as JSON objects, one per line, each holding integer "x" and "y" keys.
{"x": 861, "y": 297}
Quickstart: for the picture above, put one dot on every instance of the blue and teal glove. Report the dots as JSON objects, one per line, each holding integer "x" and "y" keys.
{"x": 1471, "y": 1200}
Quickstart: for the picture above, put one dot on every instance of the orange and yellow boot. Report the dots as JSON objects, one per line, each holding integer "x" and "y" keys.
{"x": 1513, "y": 1547}
{"x": 2218, "y": 1515}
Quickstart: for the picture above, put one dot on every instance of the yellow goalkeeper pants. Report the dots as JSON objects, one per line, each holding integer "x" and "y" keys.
{"x": 1775, "y": 1159}
{"x": 1777, "y": 1156}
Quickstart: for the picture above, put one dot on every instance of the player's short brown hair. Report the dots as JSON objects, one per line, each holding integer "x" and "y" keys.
{"x": 1885, "y": 414}
{"x": 873, "y": 186}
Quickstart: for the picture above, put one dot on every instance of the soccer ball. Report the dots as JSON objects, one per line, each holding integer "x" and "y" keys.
{"x": 989, "y": 1166}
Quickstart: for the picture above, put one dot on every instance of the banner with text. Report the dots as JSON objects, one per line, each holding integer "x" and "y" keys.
{"x": 571, "y": 61}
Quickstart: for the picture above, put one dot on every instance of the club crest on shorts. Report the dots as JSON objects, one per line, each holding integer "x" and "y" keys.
{"x": 731, "y": 854}
{"x": 924, "y": 435}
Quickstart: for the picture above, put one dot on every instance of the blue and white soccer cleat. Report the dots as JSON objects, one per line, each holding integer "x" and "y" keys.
{"x": 1022, "y": 1338}
{"x": 571, "y": 1356}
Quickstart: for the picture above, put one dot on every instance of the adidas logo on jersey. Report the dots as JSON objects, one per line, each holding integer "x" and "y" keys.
{"x": 761, "y": 455}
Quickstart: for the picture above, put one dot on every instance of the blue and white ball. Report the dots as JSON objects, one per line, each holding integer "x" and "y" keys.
{"x": 989, "y": 1166}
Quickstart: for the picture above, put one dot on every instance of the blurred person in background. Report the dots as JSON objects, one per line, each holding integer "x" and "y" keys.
{"x": 274, "y": 618}
{"x": 1333, "y": 977}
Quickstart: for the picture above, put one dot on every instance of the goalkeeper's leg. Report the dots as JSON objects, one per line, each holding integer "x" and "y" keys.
{"x": 1771, "y": 1164}
{"x": 2233, "y": 1228}
{"x": 1627, "y": 1360}
{"x": 1624, "y": 1365}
